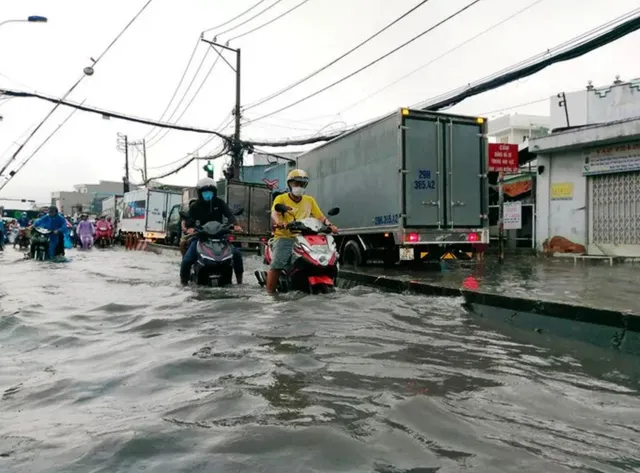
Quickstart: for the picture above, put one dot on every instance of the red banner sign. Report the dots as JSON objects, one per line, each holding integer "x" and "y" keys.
{"x": 503, "y": 157}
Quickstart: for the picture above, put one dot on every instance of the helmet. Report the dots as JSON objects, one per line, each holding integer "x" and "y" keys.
{"x": 24, "y": 214}
{"x": 206, "y": 183}
{"x": 298, "y": 175}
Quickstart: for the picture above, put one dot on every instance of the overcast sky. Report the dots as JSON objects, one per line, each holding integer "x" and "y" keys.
{"x": 140, "y": 73}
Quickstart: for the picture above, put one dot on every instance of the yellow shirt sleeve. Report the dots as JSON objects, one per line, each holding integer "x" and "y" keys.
{"x": 315, "y": 210}
{"x": 277, "y": 200}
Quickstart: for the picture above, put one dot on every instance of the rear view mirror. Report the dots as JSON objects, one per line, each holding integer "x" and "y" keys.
{"x": 333, "y": 211}
{"x": 238, "y": 211}
{"x": 281, "y": 208}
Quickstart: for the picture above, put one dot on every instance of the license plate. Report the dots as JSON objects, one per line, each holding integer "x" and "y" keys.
{"x": 406, "y": 254}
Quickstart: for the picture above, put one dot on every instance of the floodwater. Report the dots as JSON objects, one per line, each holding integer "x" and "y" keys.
{"x": 107, "y": 365}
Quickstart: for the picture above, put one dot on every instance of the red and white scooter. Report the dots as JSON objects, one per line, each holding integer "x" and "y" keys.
{"x": 314, "y": 262}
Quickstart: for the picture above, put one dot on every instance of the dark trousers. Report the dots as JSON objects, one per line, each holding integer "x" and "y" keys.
{"x": 191, "y": 257}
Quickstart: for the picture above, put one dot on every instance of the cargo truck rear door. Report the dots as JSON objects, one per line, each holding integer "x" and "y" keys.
{"x": 464, "y": 161}
{"x": 260, "y": 223}
{"x": 239, "y": 195}
{"x": 156, "y": 206}
{"x": 422, "y": 158}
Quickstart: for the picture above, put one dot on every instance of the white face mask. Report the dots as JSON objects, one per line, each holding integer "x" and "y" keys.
{"x": 297, "y": 191}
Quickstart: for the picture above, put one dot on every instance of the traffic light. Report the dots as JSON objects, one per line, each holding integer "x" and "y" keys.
{"x": 208, "y": 168}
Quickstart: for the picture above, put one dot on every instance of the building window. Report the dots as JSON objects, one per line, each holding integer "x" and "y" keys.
{"x": 504, "y": 139}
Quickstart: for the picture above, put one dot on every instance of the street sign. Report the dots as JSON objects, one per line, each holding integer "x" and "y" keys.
{"x": 503, "y": 157}
{"x": 512, "y": 215}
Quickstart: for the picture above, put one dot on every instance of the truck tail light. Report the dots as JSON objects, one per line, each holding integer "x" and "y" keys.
{"x": 412, "y": 237}
{"x": 263, "y": 240}
{"x": 473, "y": 237}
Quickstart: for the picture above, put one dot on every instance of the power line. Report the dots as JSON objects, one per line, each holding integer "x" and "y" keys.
{"x": 247, "y": 21}
{"x": 107, "y": 113}
{"x": 546, "y": 53}
{"x": 532, "y": 102}
{"x": 437, "y": 58}
{"x": 204, "y": 58}
{"x": 554, "y": 50}
{"x": 175, "y": 92}
{"x": 316, "y": 72}
{"x": 517, "y": 73}
{"x": 74, "y": 86}
{"x": 450, "y": 17}
{"x": 270, "y": 21}
{"x": 225, "y": 149}
{"x": 23, "y": 164}
{"x": 166, "y": 132}
{"x": 234, "y": 18}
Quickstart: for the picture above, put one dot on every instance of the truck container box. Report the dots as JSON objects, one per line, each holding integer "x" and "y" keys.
{"x": 411, "y": 185}
{"x": 145, "y": 212}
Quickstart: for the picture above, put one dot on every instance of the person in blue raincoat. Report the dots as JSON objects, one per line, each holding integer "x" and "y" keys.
{"x": 58, "y": 225}
{"x": 23, "y": 221}
{"x": 2, "y": 234}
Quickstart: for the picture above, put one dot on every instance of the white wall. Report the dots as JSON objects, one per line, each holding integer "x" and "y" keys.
{"x": 567, "y": 218}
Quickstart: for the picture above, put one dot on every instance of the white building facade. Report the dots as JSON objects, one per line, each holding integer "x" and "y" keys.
{"x": 517, "y": 128}
{"x": 588, "y": 186}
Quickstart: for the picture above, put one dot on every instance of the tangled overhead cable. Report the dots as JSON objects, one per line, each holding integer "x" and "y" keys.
{"x": 146, "y": 121}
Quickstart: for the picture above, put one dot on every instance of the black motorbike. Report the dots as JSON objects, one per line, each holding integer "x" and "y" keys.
{"x": 214, "y": 266}
{"x": 40, "y": 243}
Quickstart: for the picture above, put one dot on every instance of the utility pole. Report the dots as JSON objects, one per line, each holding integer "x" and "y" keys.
{"x": 123, "y": 146}
{"x": 236, "y": 157}
{"x": 143, "y": 142}
{"x": 144, "y": 158}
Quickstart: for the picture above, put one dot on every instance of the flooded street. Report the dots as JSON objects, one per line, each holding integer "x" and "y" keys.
{"x": 108, "y": 365}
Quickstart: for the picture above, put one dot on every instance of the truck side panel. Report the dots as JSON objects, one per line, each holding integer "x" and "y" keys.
{"x": 423, "y": 179}
{"x": 360, "y": 173}
{"x": 134, "y": 211}
{"x": 465, "y": 162}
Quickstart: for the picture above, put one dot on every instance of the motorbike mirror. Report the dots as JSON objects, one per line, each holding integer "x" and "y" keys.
{"x": 238, "y": 211}
{"x": 333, "y": 211}
{"x": 281, "y": 208}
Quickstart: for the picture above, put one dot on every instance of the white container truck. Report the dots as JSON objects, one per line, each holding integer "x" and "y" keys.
{"x": 145, "y": 213}
{"x": 111, "y": 207}
{"x": 410, "y": 186}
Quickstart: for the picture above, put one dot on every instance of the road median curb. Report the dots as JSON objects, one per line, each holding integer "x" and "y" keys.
{"x": 599, "y": 326}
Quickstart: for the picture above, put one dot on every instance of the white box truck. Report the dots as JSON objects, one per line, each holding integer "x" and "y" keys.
{"x": 145, "y": 212}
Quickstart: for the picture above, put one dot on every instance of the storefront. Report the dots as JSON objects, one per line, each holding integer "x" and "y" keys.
{"x": 588, "y": 189}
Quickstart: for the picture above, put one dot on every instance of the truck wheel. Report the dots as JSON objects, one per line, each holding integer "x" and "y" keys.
{"x": 352, "y": 254}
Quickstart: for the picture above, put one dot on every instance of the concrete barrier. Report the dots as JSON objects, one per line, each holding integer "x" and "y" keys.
{"x": 602, "y": 327}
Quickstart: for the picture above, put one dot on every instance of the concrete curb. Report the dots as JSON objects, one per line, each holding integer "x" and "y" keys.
{"x": 602, "y": 327}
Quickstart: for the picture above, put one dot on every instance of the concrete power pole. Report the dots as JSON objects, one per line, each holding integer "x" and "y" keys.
{"x": 144, "y": 158}
{"x": 236, "y": 159}
{"x": 123, "y": 146}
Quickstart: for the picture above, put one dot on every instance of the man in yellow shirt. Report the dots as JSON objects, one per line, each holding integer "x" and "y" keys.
{"x": 300, "y": 206}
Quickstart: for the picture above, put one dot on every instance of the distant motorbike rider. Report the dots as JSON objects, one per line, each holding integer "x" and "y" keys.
{"x": 23, "y": 221}
{"x": 300, "y": 206}
{"x": 207, "y": 208}
{"x": 85, "y": 230}
{"x": 2, "y": 234}
{"x": 111, "y": 230}
{"x": 57, "y": 224}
